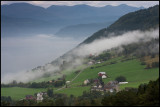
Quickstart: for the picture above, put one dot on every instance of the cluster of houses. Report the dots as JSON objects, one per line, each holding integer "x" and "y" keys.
{"x": 39, "y": 97}
{"x": 91, "y": 62}
{"x": 103, "y": 75}
{"x": 109, "y": 87}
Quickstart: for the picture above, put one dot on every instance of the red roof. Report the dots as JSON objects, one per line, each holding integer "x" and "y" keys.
{"x": 29, "y": 97}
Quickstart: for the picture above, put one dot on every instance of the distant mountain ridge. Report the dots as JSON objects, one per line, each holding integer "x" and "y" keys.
{"x": 23, "y": 10}
{"x": 57, "y": 16}
{"x": 140, "y": 20}
{"x": 82, "y": 30}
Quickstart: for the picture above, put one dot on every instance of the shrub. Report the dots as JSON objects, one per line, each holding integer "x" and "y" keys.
{"x": 148, "y": 66}
{"x": 120, "y": 79}
{"x": 155, "y": 64}
{"x": 143, "y": 63}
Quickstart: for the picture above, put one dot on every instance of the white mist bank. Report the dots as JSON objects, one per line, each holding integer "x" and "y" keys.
{"x": 100, "y": 45}
{"x": 96, "y": 47}
{"x": 20, "y": 54}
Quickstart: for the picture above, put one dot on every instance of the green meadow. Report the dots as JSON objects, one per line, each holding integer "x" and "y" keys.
{"x": 76, "y": 91}
{"x": 131, "y": 69}
{"x": 18, "y": 93}
{"x": 134, "y": 72}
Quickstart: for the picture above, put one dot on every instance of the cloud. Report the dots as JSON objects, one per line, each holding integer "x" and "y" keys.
{"x": 46, "y": 4}
{"x": 98, "y": 46}
{"x": 20, "y": 54}
{"x": 76, "y": 56}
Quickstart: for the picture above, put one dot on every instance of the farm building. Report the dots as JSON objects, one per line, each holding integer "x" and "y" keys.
{"x": 98, "y": 62}
{"x": 91, "y": 62}
{"x": 86, "y": 82}
{"x": 97, "y": 88}
{"x": 111, "y": 86}
{"x": 67, "y": 82}
{"x": 50, "y": 81}
{"x": 101, "y": 73}
{"x": 104, "y": 76}
{"x": 29, "y": 97}
{"x": 123, "y": 82}
{"x": 40, "y": 96}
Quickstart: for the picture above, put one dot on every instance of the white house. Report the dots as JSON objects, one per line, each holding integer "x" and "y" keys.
{"x": 86, "y": 82}
{"x": 95, "y": 86}
{"x": 104, "y": 76}
{"x": 100, "y": 86}
{"x": 98, "y": 62}
{"x": 67, "y": 82}
{"x": 101, "y": 73}
{"x": 90, "y": 63}
{"x": 123, "y": 82}
{"x": 111, "y": 90}
{"x": 40, "y": 96}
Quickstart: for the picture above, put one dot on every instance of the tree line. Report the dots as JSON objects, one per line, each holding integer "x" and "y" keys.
{"x": 53, "y": 83}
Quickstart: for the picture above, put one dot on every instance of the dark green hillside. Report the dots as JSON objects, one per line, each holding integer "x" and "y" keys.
{"x": 140, "y": 20}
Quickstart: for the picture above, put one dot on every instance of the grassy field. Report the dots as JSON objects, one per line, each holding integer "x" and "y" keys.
{"x": 70, "y": 74}
{"x": 131, "y": 69}
{"x": 76, "y": 91}
{"x": 18, "y": 93}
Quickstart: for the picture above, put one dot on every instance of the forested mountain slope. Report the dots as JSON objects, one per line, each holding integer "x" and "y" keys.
{"x": 140, "y": 20}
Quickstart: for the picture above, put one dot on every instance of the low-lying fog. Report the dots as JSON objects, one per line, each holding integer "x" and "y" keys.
{"x": 21, "y": 54}
{"x": 25, "y": 53}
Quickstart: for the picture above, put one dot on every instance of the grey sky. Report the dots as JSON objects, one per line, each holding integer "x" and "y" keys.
{"x": 91, "y": 3}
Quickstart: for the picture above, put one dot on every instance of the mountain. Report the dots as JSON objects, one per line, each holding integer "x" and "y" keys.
{"x": 76, "y": 30}
{"x": 55, "y": 12}
{"x": 130, "y": 52}
{"x": 25, "y": 10}
{"x": 56, "y": 17}
{"x": 140, "y": 20}
{"x": 153, "y": 11}
{"x": 90, "y": 14}
{"x": 24, "y": 26}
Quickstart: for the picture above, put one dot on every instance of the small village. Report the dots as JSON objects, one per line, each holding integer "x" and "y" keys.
{"x": 40, "y": 96}
{"x": 98, "y": 84}
{"x": 95, "y": 84}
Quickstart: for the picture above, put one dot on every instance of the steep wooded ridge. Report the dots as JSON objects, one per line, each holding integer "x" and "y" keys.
{"x": 143, "y": 19}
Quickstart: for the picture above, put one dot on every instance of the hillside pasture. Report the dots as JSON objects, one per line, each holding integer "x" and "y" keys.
{"x": 18, "y": 93}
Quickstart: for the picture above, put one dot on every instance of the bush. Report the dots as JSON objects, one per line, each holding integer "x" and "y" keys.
{"x": 155, "y": 64}
{"x": 143, "y": 63}
{"x": 147, "y": 66}
{"x": 92, "y": 67}
{"x": 121, "y": 79}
